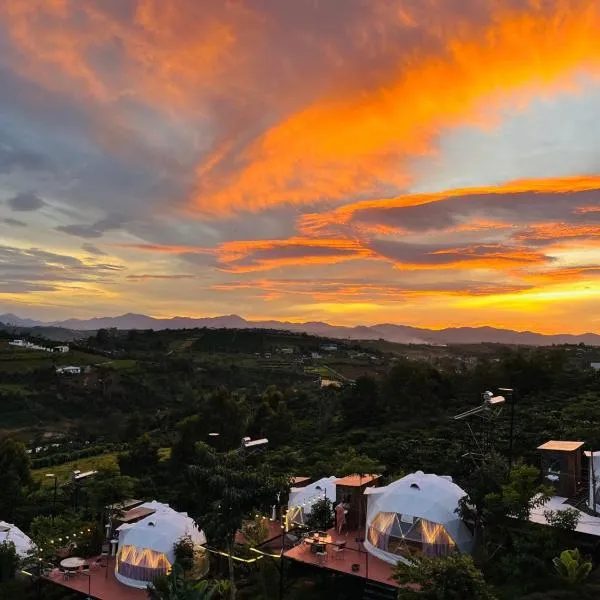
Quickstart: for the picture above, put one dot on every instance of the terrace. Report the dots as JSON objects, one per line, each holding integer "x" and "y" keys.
{"x": 97, "y": 583}
{"x": 354, "y": 560}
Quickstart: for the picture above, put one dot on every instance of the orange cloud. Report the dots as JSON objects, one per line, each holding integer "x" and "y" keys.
{"x": 327, "y": 291}
{"x": 317, "y": 223}
{"x": 170, "y": 48}
{"x": 264, "y": 255}
{"x": 349, "y": 144}
{"x": 557, "y": 231}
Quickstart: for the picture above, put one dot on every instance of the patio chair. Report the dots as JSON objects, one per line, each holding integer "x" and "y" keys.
{"x": 321, "y": 558}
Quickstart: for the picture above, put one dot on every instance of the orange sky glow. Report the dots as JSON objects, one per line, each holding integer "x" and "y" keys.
{"x": 429, "y": 163}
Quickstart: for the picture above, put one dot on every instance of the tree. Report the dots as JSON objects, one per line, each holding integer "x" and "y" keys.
{"x": 16, "y": 477}
{"x": 572, "y": 567}
{"x": 256, "y": 530}
{"x": 9, "y": 561}
{"x": 175, "y": 586}
{"x": 454, "y": 577}
{"x": 360, "y": 403}
{"x": 221, "y": 490}
{"x": 141, "y": 459}
{"x": 321, "y": 515}
{"x": 519, "y": 496}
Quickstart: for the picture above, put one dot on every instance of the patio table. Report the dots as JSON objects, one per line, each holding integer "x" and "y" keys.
{"x": 73, "y": 563}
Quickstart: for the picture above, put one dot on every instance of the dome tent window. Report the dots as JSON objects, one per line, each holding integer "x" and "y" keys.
{"x": 415, "y": 516}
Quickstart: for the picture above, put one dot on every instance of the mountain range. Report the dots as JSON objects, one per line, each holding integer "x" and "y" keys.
{"x": 402, "y": 334}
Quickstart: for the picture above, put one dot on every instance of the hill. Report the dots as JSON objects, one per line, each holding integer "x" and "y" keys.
{"x": 402, "y": 334}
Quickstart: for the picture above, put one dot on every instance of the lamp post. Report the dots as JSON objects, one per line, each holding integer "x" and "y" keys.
{"x": 512, "y": 392}
{"x": 54, "y": 496}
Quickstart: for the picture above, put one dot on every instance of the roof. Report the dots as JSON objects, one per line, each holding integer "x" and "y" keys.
{"x": 11, "y": 533}
{"x": 357, "y": 480}
{"x": 431, "y": 497}
{"x": 160, "y": 530}
{"x": 125, "y": 505}
{"x": 560, "y": 446}
{"x": 298, "y": 481}
{"x": 135, "y": 514}
{"x": 587, "y": 523}
{"x": 306, "y": 496}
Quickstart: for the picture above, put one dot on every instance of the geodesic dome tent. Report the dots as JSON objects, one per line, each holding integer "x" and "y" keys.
{"x": 11, "y": 533}
{"x": 147, "y": 548}
{"x": 302, "y": 499}
{"x": 413, "y": 516}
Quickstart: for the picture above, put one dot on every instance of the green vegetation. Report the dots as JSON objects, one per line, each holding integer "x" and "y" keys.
{"x": 65, "y": 470}
{"x": 142, "y": 414}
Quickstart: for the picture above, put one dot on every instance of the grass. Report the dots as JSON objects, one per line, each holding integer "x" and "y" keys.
{"x": 124, "y": 363}
{"x": 63, "y": 472}
{"x": 14, "y": 388}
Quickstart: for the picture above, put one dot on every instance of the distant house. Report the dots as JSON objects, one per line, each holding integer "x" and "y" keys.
{"x": 287, "y": 351}
{"x": 595, "y": 366}
{"x": 68, "y": 370}
{"x": 61, "y": 349}
{"x": 19, "y": 343}
{"x": 315, "y": 355}
{"x": 329, "y": 348}
{"x": 330, "y": 383}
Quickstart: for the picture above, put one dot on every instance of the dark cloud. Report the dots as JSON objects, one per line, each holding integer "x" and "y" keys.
{"x": 94, "y": 230}
{"x": 512, "y": 208}
{"x": 23, "y": 271}
{"x": 432, "y": 255}
{"x": 25, "y": 202}
{"x": 91, "y": 249}
{"x": 13, "y": 222}
{"x": 21, "y": 159}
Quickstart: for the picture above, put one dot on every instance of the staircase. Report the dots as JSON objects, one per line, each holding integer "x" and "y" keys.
{"x": 379, "y": 591}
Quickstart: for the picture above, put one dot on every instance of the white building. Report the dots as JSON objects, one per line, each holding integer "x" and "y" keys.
{"x": 61, "y": 349}
{"x": 147, "y": 548}
{"x": 71, "y": 370}
{"x": 415, "y": 515}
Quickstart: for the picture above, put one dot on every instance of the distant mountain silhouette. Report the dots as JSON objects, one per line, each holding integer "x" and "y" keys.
{"x": 402, "y": 334}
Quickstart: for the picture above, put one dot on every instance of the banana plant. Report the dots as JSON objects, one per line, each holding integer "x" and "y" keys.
{"x": 176, "y": 587}
{"x": 572, "y": 567}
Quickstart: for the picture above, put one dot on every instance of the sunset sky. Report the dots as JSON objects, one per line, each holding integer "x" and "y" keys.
{"x": 422, "y": 162}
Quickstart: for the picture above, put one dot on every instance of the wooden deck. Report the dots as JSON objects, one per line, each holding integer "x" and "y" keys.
{"x": 100, "y": 585}
{"x": 369, "y": 567}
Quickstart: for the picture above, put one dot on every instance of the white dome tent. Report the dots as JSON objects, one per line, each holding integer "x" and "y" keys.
{"x": 146, "y": 548}
{"x": 302, "y": 499}
{"x": 11, "y": 533}
{"x": 413, "y": 516}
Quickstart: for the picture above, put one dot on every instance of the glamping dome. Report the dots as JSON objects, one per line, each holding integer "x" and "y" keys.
{"x": 415, "y": 515}
{"x": 11, "y": 533}
{"x": 146, "y": 548}
{"x": 302, "y": 499}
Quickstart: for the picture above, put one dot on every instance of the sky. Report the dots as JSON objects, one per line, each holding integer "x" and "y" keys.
{"x": 423, "y": 162}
